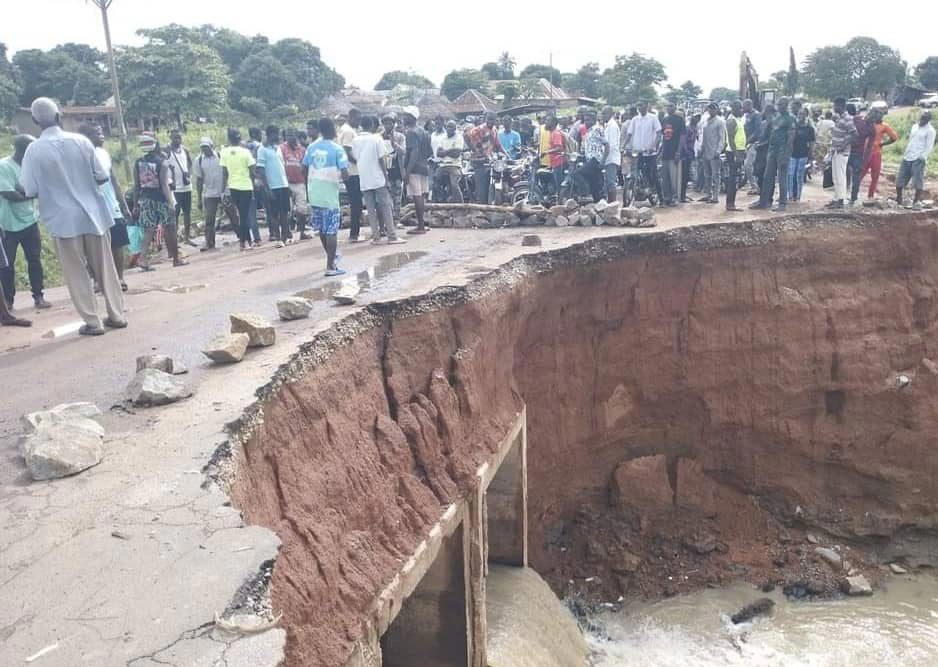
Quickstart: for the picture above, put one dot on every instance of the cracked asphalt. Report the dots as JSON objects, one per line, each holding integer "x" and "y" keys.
{"x": 149, "y": 596}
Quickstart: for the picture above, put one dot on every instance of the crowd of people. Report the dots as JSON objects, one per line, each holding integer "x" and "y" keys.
{"x": 296, "y": 176}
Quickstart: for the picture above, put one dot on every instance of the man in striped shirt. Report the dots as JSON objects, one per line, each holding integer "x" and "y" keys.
{"x": 842, "y": 137}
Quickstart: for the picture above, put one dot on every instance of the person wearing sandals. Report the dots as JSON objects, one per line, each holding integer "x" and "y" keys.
{"x": 115, "y": 199}
{"x": 327, "y": 164}
{"x": 155, "y": 201}
{"x": 61, "y": 169}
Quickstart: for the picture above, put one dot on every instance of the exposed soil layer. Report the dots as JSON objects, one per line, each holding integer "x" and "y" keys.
{"x": 697, "y": 399}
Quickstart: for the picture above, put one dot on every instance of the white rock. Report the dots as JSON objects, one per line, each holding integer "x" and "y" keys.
{"x": 153, "y": 387}
{"x": 293, "y": 308}
{"x": 812, "y": 538}
{"x": 897, "y": 569}
{"x": 561, "y": 220}
{"x": 160, "y": 362}
{"x": 571, "y": 205}
{"x": 260, "y": 332}
{"x": 600, "y": 206}
{"x": 227, "y": 348}
{"x": 63, "y": 448}
{"x": 645, "y": 213}
{"x": 857, "y": 585}
{"x": 558, "y": 210}
{"x": 60, "y": 413}
{"x": 832, "y": 557}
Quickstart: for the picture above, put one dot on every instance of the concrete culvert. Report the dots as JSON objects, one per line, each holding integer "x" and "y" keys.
{"x": 742, "y": 365}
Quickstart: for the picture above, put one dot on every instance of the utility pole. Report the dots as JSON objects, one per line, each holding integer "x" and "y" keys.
{"x": 104, "y": 5}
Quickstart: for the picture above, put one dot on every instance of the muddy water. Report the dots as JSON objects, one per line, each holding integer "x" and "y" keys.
{"x": 897, "y": 626}
{"x": 527, "y": 625}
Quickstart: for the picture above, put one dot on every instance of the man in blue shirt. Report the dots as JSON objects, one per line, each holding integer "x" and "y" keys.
{"x": 272, "y": 172}
{"x": 510, "y": 140}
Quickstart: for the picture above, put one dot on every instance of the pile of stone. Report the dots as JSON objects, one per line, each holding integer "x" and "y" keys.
{"x": 62, "y": 441}
{"x": 247, "y": 330}
{"x": 570, "y": 213}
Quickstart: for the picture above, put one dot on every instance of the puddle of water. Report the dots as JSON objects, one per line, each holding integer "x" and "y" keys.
{"x": 351, "y": 286}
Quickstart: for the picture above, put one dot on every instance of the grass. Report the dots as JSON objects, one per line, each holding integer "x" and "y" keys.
{"x": 902, "y": 121}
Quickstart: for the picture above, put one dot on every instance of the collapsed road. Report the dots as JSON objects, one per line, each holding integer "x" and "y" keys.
{"x": 132, "y": 561}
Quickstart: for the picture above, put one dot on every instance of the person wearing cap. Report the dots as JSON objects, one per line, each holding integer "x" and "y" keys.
{"x": 61, "y": 169}
{"x": 347, "y": 133}
{"x": 396, "y": 143}
{"x": 416, "y": 165}
{"x": 115, "y": 198}
{"x": 153, "y": 194}
{"x": 208, "y": 178}
{"x": 19, "y": 226}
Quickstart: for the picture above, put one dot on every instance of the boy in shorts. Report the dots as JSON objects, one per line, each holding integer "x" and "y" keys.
{"x": 328, "y": 165}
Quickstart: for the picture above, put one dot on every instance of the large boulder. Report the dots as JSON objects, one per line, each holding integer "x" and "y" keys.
{"x": 560, "y": 221}
{"x": 60, "y": 413}
{"x": 830, "y": 556}
{"x": 261, "y": 333}
{"x": 63, "y": 448}
{"x": 227, "y": 348}
{"x": 558, "y": 210}
{"x": 293, "y": 308}
{"x": 642, "y": 482}
{"x": 153, "y": 387}
{"x": 857, "y": 585}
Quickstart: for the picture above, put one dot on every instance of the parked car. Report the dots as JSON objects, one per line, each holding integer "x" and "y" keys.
{"x": 859, "y": 103}
{"x": 929, "y": 101}
{"x": 880, "y": 105}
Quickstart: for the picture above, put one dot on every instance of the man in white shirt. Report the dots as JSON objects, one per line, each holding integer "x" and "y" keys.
{"x": 613, "y": 156}
{"x": 370, "y": 152}
{"x": 63, "y": 171}
{"x": 345, "y": 139}
{"x": 920, "y": 147}
{"x": 448, "y": 151}
{"x": 644, "y": 138}
{"x": 180, "y": 166}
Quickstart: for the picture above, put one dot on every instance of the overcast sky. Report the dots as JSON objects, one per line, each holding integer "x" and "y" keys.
{"x": 703, "y": 46}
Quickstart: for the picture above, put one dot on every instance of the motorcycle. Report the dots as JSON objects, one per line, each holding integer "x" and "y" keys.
{"x": 506, "y": 174}
{"x": 636, "y": 185}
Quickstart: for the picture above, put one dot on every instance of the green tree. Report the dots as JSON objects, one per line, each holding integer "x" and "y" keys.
{"x": 460, "y": 80}
{"x": 535, "y": 71}
{"x": 585, "y": 81}
{"x": 69, "y": 73}
{"x": 315, "y": 80}
{"x": 172, "y": 80}
{"x": 9, "y": 86}
{"x": 927, "y": 72}
{"x": 860, "y": 67}
{"x": 683, "y": 94}
{"x": 507, "y": 65}
{"x": 390, "y": 79}
{"x": 720, "y": 93}
{"x": 511, "y": 90}
{"x": 262, "y": 77}
{"x": 491, "y": 70}
{"x": 631, "y": 79}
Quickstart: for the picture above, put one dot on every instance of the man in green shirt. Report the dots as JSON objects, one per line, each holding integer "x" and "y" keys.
{"x": 781, "y": 139}
{"x": 19, "y": 221}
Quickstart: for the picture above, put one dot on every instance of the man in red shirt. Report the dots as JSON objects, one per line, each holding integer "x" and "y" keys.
{"x": 483, "y": 142}
{"x": 556, "y": 157}
{"x": 293, "y": 152}
{"x": 883, "y": 135}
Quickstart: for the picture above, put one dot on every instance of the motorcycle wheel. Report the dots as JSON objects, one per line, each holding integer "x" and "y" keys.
{"x": 497, "y": 197}
{"x": 520, "y": 196}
